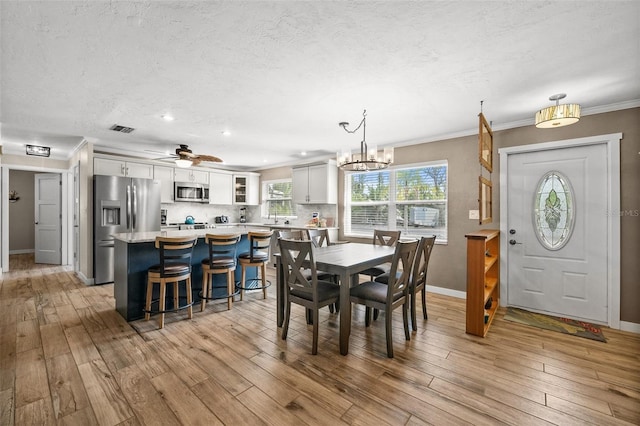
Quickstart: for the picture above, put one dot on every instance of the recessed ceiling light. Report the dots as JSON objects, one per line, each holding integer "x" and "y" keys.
{"x": 303, "y": 153}
{"x": 167, "y": 117}
{"x": 226, "y": 133}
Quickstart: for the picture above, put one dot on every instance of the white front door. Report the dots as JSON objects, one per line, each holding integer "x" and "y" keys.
{"x": 48, "y": 234}
{"x": 557, "y": 228}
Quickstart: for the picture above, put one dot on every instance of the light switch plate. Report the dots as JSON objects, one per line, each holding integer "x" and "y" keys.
{"x": 474, "y": 214}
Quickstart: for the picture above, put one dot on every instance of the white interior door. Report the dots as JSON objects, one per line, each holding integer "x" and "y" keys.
{"x": 48, "y": 220}
{"x": 558, "y": 232}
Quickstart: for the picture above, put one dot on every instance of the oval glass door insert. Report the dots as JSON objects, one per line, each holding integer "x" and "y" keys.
{"x": 553, "y": 211}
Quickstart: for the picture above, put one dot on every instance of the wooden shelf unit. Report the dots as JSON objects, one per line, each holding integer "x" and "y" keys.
{"x": 483, "y": 279}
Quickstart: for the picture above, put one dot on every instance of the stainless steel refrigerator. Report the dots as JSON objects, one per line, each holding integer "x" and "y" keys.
{"x": 120, "y": 204}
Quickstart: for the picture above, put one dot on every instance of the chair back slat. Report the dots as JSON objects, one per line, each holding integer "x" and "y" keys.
{"x": 259, "y": 243}
{"x": 298, "y": 260}
{"x": 401, "y": 266}
{"x": 385, "y": 238}
{"x": 291, "y": 234}
{"x": 174, "y": 250}
{"x": 421, "y": 264}
{"x": 319, "y": 237}
{"x": 222, "y": 246}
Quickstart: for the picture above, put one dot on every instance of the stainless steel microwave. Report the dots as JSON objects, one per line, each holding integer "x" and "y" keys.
{"x": 190, "y": 191}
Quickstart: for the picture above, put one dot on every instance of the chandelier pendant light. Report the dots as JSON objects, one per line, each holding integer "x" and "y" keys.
{"x": 557, "y": 115}
{"x": 368, "y": 158}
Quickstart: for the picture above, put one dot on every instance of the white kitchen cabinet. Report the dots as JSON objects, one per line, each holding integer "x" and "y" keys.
{"x": 315, "y": 183}
{"x": 106, "y": 166}
{"x": 246, "y": 189}
{"x": 165, "y": 175}
{"x": 220, "y": 188}
{"x": 190, "y": 175}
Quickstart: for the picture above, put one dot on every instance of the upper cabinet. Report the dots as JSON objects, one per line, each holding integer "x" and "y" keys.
{"x": 316, "y": 183}
{"x": 190, "y": 175}
{"x": 105, "y": 166}
{"x": 246, "y": 189}
{"x": 220, "y": 188}
{"x": 165, "y": 175}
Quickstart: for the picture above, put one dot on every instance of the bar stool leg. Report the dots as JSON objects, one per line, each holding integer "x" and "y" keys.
{"x": 147, "y": 305}
{"x": 230, "y": 289}
{"x": 189, "y": 297}
{"x": 263, "y": 268}
{"x": 162, "y": 305}
{"x": 176, "y": 295}
{"x": 205, "y": 290}
{"x": 242, "y": 282}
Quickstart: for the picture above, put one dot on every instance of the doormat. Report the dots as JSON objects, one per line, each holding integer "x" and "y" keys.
{"x": 562, "y": 325}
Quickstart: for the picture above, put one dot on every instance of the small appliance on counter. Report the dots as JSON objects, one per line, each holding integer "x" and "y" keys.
{"x": 163, "y": 216}
{"x": 222, "y": 219}
{"x": 243, "y": 215}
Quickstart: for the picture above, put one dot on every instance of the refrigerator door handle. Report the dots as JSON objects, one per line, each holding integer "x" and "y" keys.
{"x": 106, "y": 243}
{"x": 128, "y": 208}
{"x": 135, "y": 208}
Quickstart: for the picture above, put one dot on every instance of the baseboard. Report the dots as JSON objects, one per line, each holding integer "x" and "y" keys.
{"x": 84, "y": 279}
{"x": 447, "y": 292}
{"x": 23, "y": 251}
{"x": 630, "y": 326}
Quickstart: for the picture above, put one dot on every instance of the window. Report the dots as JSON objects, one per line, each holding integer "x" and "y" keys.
{"x": 411, "y": 199}
{"x": 277, "y": 199}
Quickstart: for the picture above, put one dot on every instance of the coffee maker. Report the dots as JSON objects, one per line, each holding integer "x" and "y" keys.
{"x": 163, "y": 216}
{"x": 243, "y": 215}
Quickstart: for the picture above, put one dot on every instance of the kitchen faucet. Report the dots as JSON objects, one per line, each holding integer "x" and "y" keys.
{"x": 275, "y": 213}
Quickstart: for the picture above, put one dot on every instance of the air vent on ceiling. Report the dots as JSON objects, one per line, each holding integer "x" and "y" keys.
{"x": 121, "y": 129}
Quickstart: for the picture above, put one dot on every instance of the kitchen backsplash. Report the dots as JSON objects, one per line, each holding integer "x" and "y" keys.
{"x": 177, "y": 212}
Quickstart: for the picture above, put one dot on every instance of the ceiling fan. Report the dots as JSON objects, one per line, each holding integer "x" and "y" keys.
{"x": 184, "y": 157}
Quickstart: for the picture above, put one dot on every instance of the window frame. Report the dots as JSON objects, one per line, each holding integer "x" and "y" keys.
{"x": 393, "y": 204}
{"x": 264, "y": 202}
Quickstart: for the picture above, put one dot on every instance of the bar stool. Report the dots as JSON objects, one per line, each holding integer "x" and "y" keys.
{"x": 174, "y": 267}
{"x": 257, "y": 256}
{"x": 222, "y": 260}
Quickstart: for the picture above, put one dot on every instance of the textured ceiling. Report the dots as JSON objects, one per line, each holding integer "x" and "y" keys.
{"x": 280, "y": 75}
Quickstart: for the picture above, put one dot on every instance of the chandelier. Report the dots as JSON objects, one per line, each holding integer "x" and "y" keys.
{"x": 368, "y": 158}
{"x": 557, "y": 115}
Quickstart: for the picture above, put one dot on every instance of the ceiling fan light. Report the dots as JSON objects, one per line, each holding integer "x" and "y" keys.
{"x": 183, "y": 163}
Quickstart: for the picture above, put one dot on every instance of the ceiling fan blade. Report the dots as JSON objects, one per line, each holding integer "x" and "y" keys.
{"x": 210, "y": 158}
{"x": 195, "y": 161}
{"x": 186, "y": 154}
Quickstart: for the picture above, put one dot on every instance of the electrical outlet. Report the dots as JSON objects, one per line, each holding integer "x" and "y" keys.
{"x": 474, "y": 214}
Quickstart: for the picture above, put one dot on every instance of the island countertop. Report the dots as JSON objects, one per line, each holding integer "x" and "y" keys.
{"x": 145, "y": 237}
{"x": 242, "y": 229}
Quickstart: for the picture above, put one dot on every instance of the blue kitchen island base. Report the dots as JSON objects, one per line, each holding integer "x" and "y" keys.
{"x": 134, "y": 256}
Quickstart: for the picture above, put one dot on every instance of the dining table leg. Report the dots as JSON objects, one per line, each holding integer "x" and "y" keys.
{"x": 345, "y": 312}
{"x": 279, "y": 292}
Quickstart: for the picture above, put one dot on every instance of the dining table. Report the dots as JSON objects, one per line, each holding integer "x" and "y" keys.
{"x": 346, "y": 261}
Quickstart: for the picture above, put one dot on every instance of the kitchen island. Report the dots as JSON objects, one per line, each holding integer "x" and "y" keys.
{"x": 135, "y": 252}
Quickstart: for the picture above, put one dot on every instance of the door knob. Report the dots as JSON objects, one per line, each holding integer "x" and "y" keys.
{"x": 513, "y": 242}
{"x": 512, "y": 231}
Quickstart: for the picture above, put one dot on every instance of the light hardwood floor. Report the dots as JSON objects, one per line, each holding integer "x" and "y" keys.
{"x": 67, "y": 357}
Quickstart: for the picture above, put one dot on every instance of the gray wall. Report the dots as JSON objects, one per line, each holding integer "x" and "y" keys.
{"x": 21, "y": 213}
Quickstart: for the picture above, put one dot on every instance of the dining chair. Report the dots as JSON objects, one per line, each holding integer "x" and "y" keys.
{"x": 312, "y": 293}
{"x": 388, "y": 297}
{"x": 383, "y": 238}
{"x": 258, "y": 257}
{"x": 222, "y": 259}
{"x": 418, "y": 277}
{"x": 320, "y": 238}
{"x": 174, "y": 267}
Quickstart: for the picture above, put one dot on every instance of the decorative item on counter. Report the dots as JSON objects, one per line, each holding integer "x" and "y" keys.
{"x": 189, "y": 220}
{"x": 13, "y": 196}
{"x": 315, "y": 219}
